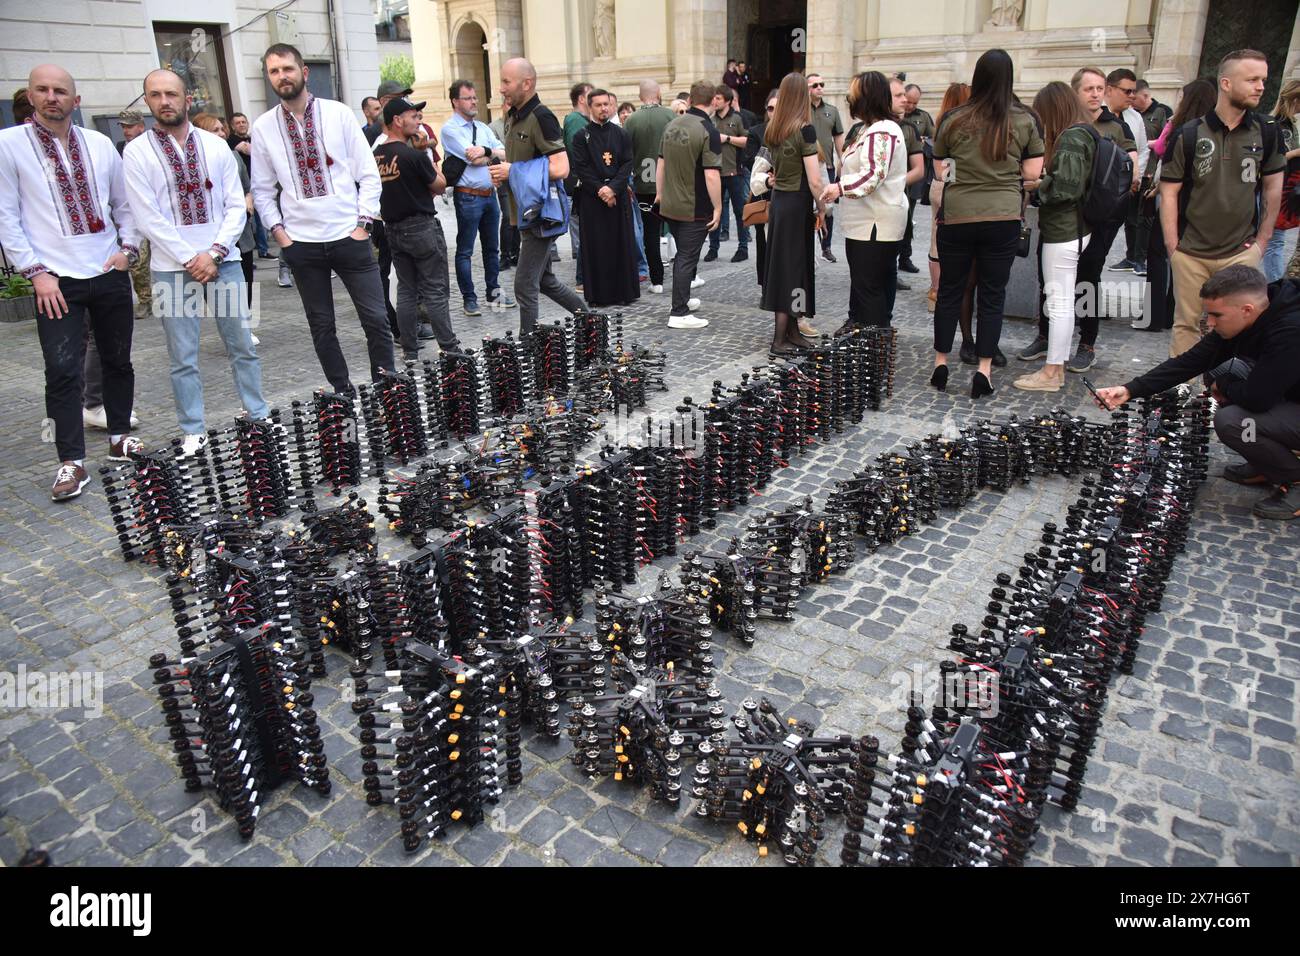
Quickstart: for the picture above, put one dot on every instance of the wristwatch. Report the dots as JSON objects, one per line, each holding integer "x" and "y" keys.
{"x": 217, "y": 257}
{"x": 367, "y": 225}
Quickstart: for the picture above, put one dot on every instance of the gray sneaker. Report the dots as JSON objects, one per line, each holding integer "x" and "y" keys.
{"x": 1034, "y": 350}
{"x": 1083, "y": 360}
{"x": 1282, "y": 505}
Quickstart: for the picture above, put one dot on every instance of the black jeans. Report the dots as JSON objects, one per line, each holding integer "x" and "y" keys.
{"x": 102, "y": 303}
{"x": 689, "y": 237}
{"x": 991, "y": 247}
{"x": 905, "y": 247}
{"x": 379, "y": 236}
{"x": 509, "y": 233}
{"x": 1137, "y": 227}
{"x": 873, "y": 276}
{"x": 1264, "y": 439}
{"x": 831, "y": 177}
{"x": 352, "y": 259}
{"x": 651, "y": 227}
{"x": 420, "y": 256}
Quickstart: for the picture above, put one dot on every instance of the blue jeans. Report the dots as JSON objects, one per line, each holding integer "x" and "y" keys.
{"x": 180, "y": 303}
{"x": 1274, "y": 264}
{"x": 477, "y": 216}
{"x": 638, "y": 229}
{"x": 735, "y": 189}
{"x": 259, "y": 235}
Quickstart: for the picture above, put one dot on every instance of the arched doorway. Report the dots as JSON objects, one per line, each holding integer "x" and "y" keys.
{"x": 772, "y": 37}
{"x": 472, "y": 63}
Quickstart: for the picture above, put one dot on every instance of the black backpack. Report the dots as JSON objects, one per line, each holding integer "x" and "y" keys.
{"x": 1187, "y": 132}
{"x": 1109, "y": 185}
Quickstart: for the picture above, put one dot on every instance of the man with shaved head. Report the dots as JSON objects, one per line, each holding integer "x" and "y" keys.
{"x": 646, "y": 127}
{"x": 66, "y": 225}
{"x": 532, "y": 132}
{"x": 185, "y": 190}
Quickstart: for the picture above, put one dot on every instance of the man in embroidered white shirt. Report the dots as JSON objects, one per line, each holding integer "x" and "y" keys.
{"x": 184, "y": 189}
{"x": 65, "y": 224}
{"x": 315, "y": 151}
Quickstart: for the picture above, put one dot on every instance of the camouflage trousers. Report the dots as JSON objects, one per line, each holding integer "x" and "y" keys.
{"x": 140, "y": 279}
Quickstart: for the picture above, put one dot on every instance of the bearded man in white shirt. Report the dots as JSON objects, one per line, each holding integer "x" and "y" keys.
{"x": 315, "y": 151}
{"x": 65, "y": 224}
{"x": 185, "y": 192}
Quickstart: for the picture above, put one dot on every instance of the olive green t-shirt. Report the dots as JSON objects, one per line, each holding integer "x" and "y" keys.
{"x": 729, "y": 125}
{"x": 1113, "y": 127}
{"x": 787, "y": 159}
{"x": 690, "y": 145}
{"x": 978, "y": 189}
{"x": 826, "y": 121}
{"x": 911, "y": 139}
{"x": 921, "y": 121}
{"x": 1221, "y": 214}
{"x": 531, "y": 131}
{"x": 646, "y": 128}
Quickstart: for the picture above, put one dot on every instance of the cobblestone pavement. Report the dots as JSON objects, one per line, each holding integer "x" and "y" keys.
{"x": 1195, "y": 763}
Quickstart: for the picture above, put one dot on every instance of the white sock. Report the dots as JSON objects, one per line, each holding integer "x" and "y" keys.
{"x": 114, "y": 439}
{"x": 80, "y": 462}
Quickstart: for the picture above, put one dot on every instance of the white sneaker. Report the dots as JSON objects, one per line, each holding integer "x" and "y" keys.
{"x": 686, "y": 322}
{"x": 696, "y": 282}
{"x": 191, "y": 445}
{"x": 692, "y": 303}
{"x": 96, "y": 418}
{"x": 657, "y": 289}
{"x": 256, "y": 340}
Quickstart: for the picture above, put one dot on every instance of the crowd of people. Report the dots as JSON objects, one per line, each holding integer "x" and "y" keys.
{"x": 1196, "y": 191}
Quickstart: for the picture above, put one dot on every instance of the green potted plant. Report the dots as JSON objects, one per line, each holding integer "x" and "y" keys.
{"x": 17, "y": 300}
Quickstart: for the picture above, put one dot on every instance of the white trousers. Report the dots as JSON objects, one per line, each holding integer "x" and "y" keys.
{"x": 1060, "y": 267}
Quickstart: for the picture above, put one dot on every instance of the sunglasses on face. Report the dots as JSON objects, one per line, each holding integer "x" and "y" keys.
{"x": 816, "y": 86}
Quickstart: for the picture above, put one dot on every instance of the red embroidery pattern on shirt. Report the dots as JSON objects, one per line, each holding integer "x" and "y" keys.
{"x": 192, "y": 183}
{"x": 76, "y": 190}
{"x": 313, "y": 177}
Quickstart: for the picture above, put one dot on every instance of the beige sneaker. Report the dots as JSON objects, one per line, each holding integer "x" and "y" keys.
{"x": 806, "y": 328}
{"x": 68, "y": 481}
{"x": 1039, "y": 381}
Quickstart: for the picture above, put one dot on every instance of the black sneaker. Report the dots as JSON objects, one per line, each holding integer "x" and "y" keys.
{"x": 1139, "y": 268}
{"x": 830, "y": 257}
{"x": 471, "y": 308}
{"x": 741, "y": 255}
{"x": 1034, "y": 350}
{"x": 906, "y": 265}
{"x": 1083, "y": 360}
{"x": 1244, "y": 474}
{"x": 426, "y": 332}
{"x": 1122, "y": 266}
{"x": 1282, "y": 505}
{"x": 711, "y": 255}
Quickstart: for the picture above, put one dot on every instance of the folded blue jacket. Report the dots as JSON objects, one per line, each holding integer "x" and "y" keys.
{"x": 543, "y": 206}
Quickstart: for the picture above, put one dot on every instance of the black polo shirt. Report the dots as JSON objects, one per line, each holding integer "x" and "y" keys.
{"x": 1221, "y": 213}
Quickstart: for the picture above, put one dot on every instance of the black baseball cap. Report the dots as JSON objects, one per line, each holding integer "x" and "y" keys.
{"x": 395, "y": 108}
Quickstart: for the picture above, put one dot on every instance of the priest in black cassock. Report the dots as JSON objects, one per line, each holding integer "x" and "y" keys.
{"x": 602, "y": 160}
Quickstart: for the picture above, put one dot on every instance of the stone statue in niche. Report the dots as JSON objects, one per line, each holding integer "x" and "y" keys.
{"x": 603, "y": 27}
{"x": 1005, "y": 15}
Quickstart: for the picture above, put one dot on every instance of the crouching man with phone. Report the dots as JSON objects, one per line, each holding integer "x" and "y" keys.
{"x": 1251, "y": 358}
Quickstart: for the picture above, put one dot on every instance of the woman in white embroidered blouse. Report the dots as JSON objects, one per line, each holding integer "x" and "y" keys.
{"x": 873, "y": 215}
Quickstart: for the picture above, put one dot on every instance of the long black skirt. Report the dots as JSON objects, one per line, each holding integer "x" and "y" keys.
{"x": 791, "y": 274}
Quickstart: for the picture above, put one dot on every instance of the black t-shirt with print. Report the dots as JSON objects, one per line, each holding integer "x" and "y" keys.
{"x": 406, "y": 174}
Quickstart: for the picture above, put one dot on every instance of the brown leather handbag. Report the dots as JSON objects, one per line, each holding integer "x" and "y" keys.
{"x": 755, "y": 212}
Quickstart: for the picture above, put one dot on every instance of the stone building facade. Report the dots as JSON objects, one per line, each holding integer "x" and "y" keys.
{"x": 109, "y": 46}
{"x": 616, "y": 43}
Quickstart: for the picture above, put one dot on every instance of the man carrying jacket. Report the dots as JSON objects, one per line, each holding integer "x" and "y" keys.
{"x": 1259, "y": 412}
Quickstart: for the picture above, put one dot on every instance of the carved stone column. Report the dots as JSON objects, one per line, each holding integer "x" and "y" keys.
{"x": 1176, "y": 47}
